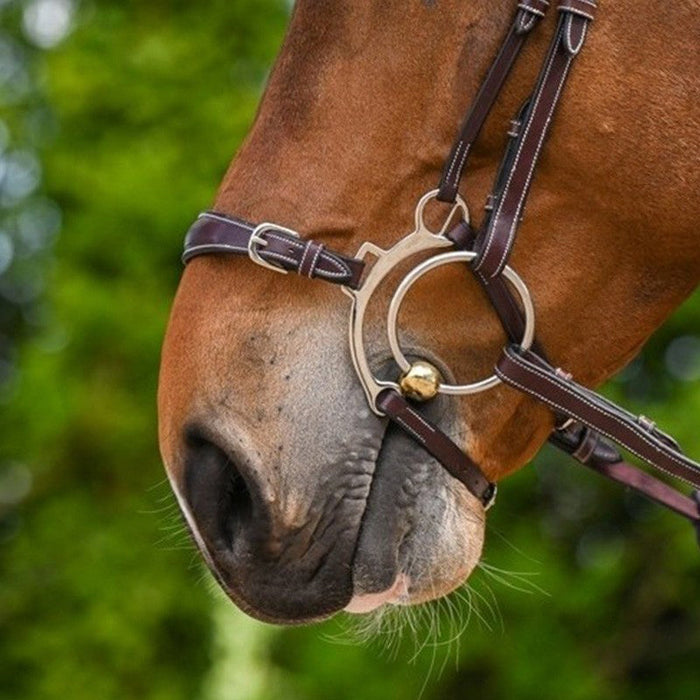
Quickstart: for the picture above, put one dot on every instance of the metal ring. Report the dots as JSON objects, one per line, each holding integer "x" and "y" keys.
{"x": 459, "y": 205}
{"x": 421, "y": 240}
{"x": 430, "y": 264}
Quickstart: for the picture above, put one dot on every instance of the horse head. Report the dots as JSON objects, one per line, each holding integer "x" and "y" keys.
{"x": 301, "y": 499}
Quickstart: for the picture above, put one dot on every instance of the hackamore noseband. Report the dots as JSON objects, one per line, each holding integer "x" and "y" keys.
{"x": 585, "y": 421}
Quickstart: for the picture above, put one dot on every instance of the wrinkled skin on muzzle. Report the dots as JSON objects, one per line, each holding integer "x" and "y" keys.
{"x": 306, "y": 503}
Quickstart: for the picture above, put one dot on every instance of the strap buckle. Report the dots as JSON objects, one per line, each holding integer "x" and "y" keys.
{"x": 257, "y": 241}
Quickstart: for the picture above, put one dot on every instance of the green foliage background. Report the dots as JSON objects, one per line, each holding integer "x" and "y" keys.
{"x": 139, "y": 111}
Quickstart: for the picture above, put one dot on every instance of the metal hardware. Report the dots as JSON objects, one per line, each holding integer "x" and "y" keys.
{"x": 430, "y": 264}
{"x": 647, "y": 423}
{"x": 566, "y": 424}
{"x": 420, "y": 240}
{"x": 256, "y": 240}
{"x": 421, "y": 381}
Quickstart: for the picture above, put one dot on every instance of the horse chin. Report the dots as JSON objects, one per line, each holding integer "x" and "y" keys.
{"x": 422, "y": 531}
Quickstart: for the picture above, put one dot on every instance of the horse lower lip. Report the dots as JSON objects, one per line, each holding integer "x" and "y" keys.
{"x": 396, "y": 594}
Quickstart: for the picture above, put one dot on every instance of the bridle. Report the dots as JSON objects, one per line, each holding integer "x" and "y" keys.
{"x": 585, "y": 421}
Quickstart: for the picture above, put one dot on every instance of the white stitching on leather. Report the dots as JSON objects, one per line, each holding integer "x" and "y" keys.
{"x": 460, "y": 167}
{"x": 527, "y": 22}
{"x": 593, "y": 4}
{"x": 279, "y": 256}
{"x": 575, "y": 49}
{"x": 315, "y": 260}
{"x": 529, "y": 8}
{"x": 420, "y": 419}
{"x": 577, "y": 12}
{"x": 550, "y": 402}
{"x": 292, "y": 241}
{"x": 303, "y": 257}
{"x": 602, "y": 410}
{"x": 214, "y": 247}
{"x": 409, "y": 429}
{"x": 344, "y": 270}
{"x": 538, "y": 149}
{"x": 233, "y": 222}
{"x": 292, "y": 261}
{"x": 554, "y": 404}
{"x": 571, "y": 9}
{"x": 513, "y": 168}
{"x": 460, "y": 145}
{"x": 568, "y": 42}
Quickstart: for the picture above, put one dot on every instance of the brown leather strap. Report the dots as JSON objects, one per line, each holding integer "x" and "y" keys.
{"x": 590, "y": 449}
{"x": 529, "y": 373}
{"x": 498, "y": 233}
{"x": 584, "y": 8}
{"x": 648, "y": 486}
{"x": 583, "y": 443}
{"x": 528, "y": 14}
{"x": 216, "y": 233}
{"x": 439, "y": 445}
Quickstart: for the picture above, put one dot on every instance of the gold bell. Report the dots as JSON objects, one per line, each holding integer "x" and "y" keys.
{"x": 421, "y": 381}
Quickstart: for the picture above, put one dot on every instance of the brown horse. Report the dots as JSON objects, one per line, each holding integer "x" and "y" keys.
{"x": 301, "y": 500}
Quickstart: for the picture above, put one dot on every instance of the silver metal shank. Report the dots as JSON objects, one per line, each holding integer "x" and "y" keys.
{"x": 420, "y": 240}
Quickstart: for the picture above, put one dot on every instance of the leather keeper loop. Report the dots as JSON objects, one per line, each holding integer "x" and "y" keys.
{"x": 587, "y": 447}
{"x": 575, "y": 28}
{"x": 309, "y": 259}
{"x": 583, "y": 8}
{"x": 538, "y": 7}
{"x": 530, "y": 12}
{"x": 514, "y": 130}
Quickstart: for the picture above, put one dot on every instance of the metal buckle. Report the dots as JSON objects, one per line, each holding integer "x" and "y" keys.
{"x": 256, "y": 240}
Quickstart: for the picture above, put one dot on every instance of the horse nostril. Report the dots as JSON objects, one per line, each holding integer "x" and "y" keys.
{"x": 221, "y": 500}
{"x": 273, "y": 570}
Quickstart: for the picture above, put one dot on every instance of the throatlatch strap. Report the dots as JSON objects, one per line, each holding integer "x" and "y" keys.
{"x": 528, "y": 14}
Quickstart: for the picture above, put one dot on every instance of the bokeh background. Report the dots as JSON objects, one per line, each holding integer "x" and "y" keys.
{"x": 117, "y": 120}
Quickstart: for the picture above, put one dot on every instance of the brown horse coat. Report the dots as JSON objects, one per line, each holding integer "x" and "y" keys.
{"x": 258, "y": 400}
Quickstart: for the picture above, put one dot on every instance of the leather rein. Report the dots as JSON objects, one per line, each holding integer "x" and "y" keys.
{"x": 585, "y": 421}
